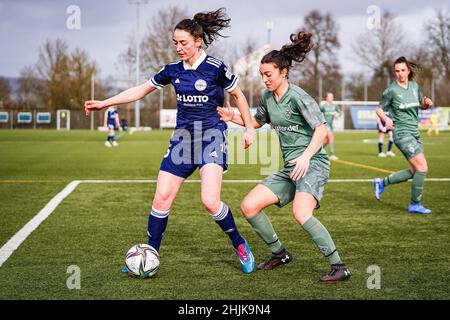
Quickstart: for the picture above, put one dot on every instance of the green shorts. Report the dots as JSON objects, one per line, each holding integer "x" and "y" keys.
{"x": 329, "y": 127}
{"x": 281, "y": 184}
{"x": 409, "y": 145}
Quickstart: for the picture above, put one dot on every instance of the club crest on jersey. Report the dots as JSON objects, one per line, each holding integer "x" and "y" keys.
{"x": 200, "y": 85}
{"x": 287, "y": 113}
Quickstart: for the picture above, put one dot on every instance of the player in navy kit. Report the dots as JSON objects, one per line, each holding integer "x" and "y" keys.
{"x": 382, "y": 130}
{"x": 199, "y": 139}
{"x": 111, "y": 122}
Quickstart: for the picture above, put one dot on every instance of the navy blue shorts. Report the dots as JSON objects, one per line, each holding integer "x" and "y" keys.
{"x": 186, "y": 152}
{"x": 384, "y": 125}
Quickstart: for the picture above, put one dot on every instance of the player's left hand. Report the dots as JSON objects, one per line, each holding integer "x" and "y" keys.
{"x": 427, "y": 101}
{"x": 301, "y": 167}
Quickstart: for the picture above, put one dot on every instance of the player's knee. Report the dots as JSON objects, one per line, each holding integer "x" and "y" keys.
{"x": 249, "y": 208}
{"x": 162, "y": 200}
{"x": 422, "y": 167}
{"x": 211, "y": 203}
{"x": 301, "y": 217}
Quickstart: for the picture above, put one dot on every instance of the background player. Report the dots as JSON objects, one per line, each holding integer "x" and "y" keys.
{"x": 199, "y": 139}
{"x": 382, "y": 130}
{"x": 402, "y": 99}
{"x": 111, "y": 122}
{"x": 434, "y": 122}
{"x": 331, "y": 111}
{"x": 300, "y": 126}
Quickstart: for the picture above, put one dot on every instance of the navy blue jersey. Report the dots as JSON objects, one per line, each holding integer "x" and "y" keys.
{"x": 111, "y": 116}
{"x": 199, "y": 90}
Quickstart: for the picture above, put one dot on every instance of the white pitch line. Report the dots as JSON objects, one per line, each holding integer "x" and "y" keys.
{"x": 243, "y": 181}
{"x": 7, "y": 250}
{"x": 154, "y": 181}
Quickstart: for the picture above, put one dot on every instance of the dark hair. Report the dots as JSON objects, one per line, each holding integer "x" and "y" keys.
{"x": 300, "y": 45}
{"x": 206, "y": 25}
{"x": 413, "y": 67}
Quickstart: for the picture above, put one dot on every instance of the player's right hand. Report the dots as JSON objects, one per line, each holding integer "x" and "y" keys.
{"x": 93, "y": 105}
{"x": 389, "y": 124}
{"x": 226, "y": 113}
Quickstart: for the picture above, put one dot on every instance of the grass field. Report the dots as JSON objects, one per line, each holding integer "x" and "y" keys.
{"x": 98, "y": 222}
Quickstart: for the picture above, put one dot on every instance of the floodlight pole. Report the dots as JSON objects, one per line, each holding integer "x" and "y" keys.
{"x": 137, "y": 114}
{"x": 269, "y": 26}
{"x": 92, "y": 98}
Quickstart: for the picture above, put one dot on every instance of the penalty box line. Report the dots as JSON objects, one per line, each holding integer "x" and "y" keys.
{"x": 9, "y": 247}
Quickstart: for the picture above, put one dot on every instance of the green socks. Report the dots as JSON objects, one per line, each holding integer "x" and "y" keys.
{"x": 417, "y": 186}
{"x": 418, "y": 180}
{"x": 261, "y": 224}
{"x": 397, "y": 177}
{"x": 319, "y": 234}
{"x": 331, "y": 146}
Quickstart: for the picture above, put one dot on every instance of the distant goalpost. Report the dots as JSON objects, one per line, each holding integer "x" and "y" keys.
{"x": 362, "y": 114}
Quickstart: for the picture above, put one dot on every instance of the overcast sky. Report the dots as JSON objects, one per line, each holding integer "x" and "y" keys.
{"x": 105, "y": 25}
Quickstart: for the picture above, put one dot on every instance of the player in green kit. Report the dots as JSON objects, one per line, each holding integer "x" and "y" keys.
{"x": 301, "y": 129}
{"x": 402, "y": 99}
{"x": 330, "y": 111}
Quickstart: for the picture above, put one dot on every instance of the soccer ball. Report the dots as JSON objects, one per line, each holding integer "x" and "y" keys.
{"x": 142, "y": 261}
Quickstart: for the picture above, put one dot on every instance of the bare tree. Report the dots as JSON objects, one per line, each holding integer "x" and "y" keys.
{"x": 157, "y": 47}
{"x": 377, "y": 48}
{"x": 5, "y": 91}
{"x": 53, "y": 68}
{"x": 81, "y": 70}
{"x": 438, "y": 32}
{"x": 157, "y": 44}
{"x": 126, "y": 63}
{"x": 30, "y": 89}
{"x": 58, "y": 79}
{"x": 321, "y": 62}
{"x": 245, "y": 65}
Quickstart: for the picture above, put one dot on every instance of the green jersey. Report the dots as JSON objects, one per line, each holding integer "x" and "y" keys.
{"x": 403, "y": 106}
{"x": 294, "y": 118}
{"x": 329, "y": 111}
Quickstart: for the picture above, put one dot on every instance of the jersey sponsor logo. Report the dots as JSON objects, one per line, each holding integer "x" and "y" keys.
{"x": 408, "y": 105}
{"x": 191, "y": 98}
{"x": 200, "y": 85}
{"x": 290, "y": 128}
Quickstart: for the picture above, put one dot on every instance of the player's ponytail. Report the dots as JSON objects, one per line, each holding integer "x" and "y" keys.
{"x": 297, "y": 50}
{"x": 206, "y": 25}
{"x": 413, "y": 67}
